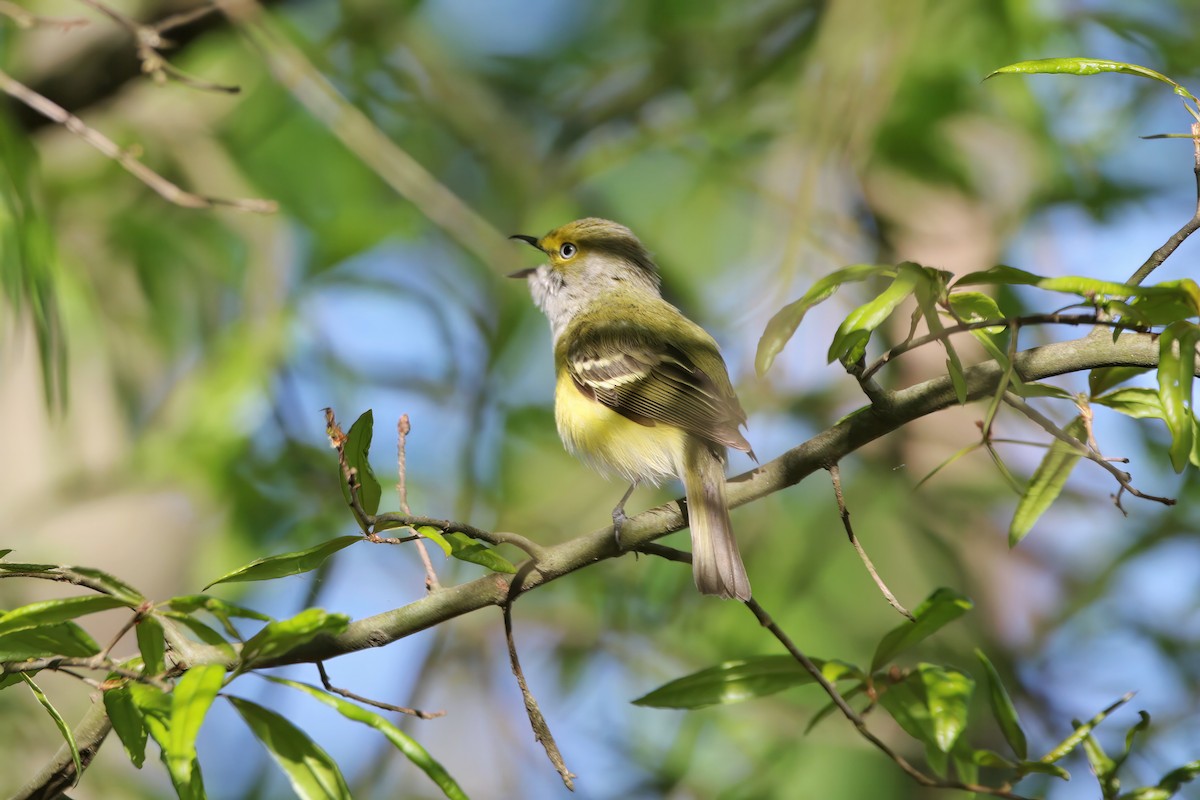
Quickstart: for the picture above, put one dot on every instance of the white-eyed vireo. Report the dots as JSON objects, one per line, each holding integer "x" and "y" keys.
{"x": 641, "y": 390}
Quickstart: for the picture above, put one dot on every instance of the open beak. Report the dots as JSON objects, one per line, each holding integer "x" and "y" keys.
{"x": 532, "y": 242}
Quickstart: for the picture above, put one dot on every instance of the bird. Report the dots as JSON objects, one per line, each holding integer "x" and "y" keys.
{"x": 641, "y": 391}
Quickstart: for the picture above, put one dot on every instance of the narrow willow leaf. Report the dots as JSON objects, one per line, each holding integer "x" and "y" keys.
{"x": 784, "y": 324}
{"x": 1086, "y": 66}
{"x": 1174, "y": 780}
{"x": 224, "y": 611}
{"x": 61, "y": 723}
{"x": 111, "y": 584}
{"x": 190, "y": 700}
{"x": 938, "y": 610}
{"x": 744, "y": 679}
{"x": 152, "y": 645}
{"x": 1133, "y": 402}
{"x": 1081, "y": 732}
{"x": 1101, "y": 379}
{"x": 434, "y": 535}
{"x": 271, "y": 567}
{"x": 155, "y": 707}
{"x": 850, "y": 341}
{"x": 357, "y": 451}
{"x": 408, "y": 746}
{"x": 977, "y": 307}
{"x": 284, "y": 635}
{"x": 127, "y": 722}
{"x": 1047, "y": 483}
{"x": 1098, "y": 760}
{"x": 61, "y": 639}
{"x": 48, "y": 612}
{"x": 1003, "y": 709}
{"x": 464, "y": 548}
{"x": 314, "y": 775}
{"x": 1176, "y": 369}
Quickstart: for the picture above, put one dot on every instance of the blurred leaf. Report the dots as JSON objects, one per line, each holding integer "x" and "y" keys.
{"x": 938, "y": 610}
{"x": 830, "y": 707}
{"x": 736, "y": 681}
{"x": 1098, "y": 760}
{"x": 127, "y": 722}
{"x": 1042, "y": 768}
{"x": 1102, "y": 379}
{"x": 931, "y": 704}
{"x": 784, "y": 324}
{"x": 49, "y": 612}
{"x": 1176, "y": 369}
{"x": 284, "y": 635}
{"x": 312, "y": 773}
{"x": 357, "y": 450}
{"x": 850, "y": 340}
{"x": 151, "y": 644}
{"x": 5, "y": 551}
{"x": 1086, "y": 66}
{"x": 1133, "y": 402}
{"x": 1046, "y": 484}
{"x": 61, "y": 639}
{"x": 63, "y": 727}
{"x": 1003, "y": 709}
{"x": 411, "y": 749}
{"x": 1174, "y": 780}
{"x": 286, "y": 564}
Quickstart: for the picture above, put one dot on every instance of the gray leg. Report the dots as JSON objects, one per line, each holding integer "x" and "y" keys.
{"x": 618, "y": 514}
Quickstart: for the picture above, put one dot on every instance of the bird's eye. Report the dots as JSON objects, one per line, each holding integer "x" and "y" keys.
{"x": 568, "y": 250}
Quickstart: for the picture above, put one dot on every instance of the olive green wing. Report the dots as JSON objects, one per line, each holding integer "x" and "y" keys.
{"x": 651, "y": 381}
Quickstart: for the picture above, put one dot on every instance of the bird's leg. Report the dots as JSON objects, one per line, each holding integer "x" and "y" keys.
{"x": 618, "y": 514}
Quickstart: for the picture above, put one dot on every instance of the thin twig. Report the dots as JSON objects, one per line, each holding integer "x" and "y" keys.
{"x": 403, "y": 427}
{"x": 1123, "y": 478}
{"x": 184, "y": 18}
{"x": 24, "y": 19}
{"x": 1163, "y": 253}
{"x": 835, "y": 475}
{"x": 167, "y": 190}
{"x": 413, "y": 712}
{"x": 391, "y": 520}
{"x": 860, "y": 724}
{"x": 134, "y": 618}
{"x": 541, "y": 731}
{"x": 55, "y": 663}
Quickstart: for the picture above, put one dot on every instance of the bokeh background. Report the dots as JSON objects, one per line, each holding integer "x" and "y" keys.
{"x": 163, "y": 370}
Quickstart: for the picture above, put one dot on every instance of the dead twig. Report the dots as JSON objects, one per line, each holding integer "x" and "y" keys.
{"x": 835, "y": 475}
{"x": 403, "y": 427}
{"x": 413, "y": 712}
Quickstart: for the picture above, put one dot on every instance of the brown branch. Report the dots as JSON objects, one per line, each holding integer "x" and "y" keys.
{"x": 376, "y": 703}
{"x": 541, "y": 731}
{"x": 391, "y": 520}
{"x": 167, "y": 190}
{"x": 1191, "y": 226}
{"x": 835, "y": 475}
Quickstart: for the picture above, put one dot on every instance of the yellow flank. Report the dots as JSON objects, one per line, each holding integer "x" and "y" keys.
{"x": 611, "y": 443}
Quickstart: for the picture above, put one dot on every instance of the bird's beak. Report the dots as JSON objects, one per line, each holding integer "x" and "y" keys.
{"x": 532, "y": 242}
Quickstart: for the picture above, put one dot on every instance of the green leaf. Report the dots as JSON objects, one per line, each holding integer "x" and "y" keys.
{"x": 464, "y": 548}
{"x": 190, "y": 700}
{"x": 284, "y": 635}
{"x": 784, "y": 324}
{"x": 977, "y": 307}
{"x": 48, "y": 612}
{"x": 156, "y": 709}
{"x": 111, "y": 584}
{"x": 271, "y": 567}
{"x": 745, "y": 679}
{"x": 311, "y": 771}
{"x": 1101, "y": 379}
{"x": 1173, "y": 781}
{"x": 1176, "y": 368}
{"x": 1042, "y": 768}
{"x": 63, "y": 727}
{"x": 127, "y": 722}
{"x": 152, "y": 645}
{"x": 939, "y": 609}
{"x": 202, "y": 632}
{"x": 1003, "y": 709}
{"x": 411, "y": 749}
{"x": 1086, "y": 66}
{"x": 1047, "y": 483}
{"x": 62, "y": 639}
{"x": 850, "y": 341}
{"x": 1133, "y": 402}
{"x": 357, "y": 448}
{"x": 931, "y": 704}
{"x": 1081, "y": 732}
{"x": 1098, "y": 760}
{"x": 222, "y": 610}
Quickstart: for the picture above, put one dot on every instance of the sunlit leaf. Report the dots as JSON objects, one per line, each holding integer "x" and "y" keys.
{"x": 190, "y": 700}
{"x": 311, "y": 771}
{"x": 411, "y": 749}
{"x": 61, "y": 639}
{"x": 783, "y": 325}
{"x": 464, "y": 548}
{"x": 1176, "y": 369}
{"x": 1133, "y": 402}
{"x": 47, "y": 612}
{"x": 931, "y": 704}
{"x": 1086, "y": 66}
{"x": 284, "y": 635}
{"x": 850, "y": 340}
{"x": 745, "y": 679}
{"x": 938, "y": 610}
{"x": 977, "y": 307}
{"x": 271, "y": 567}
{"x": 1080, "y": 733}
{"x": 1046, "y": 484}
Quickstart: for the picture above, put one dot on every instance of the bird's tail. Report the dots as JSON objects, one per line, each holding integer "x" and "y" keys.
{"x": 716, "y": 563}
